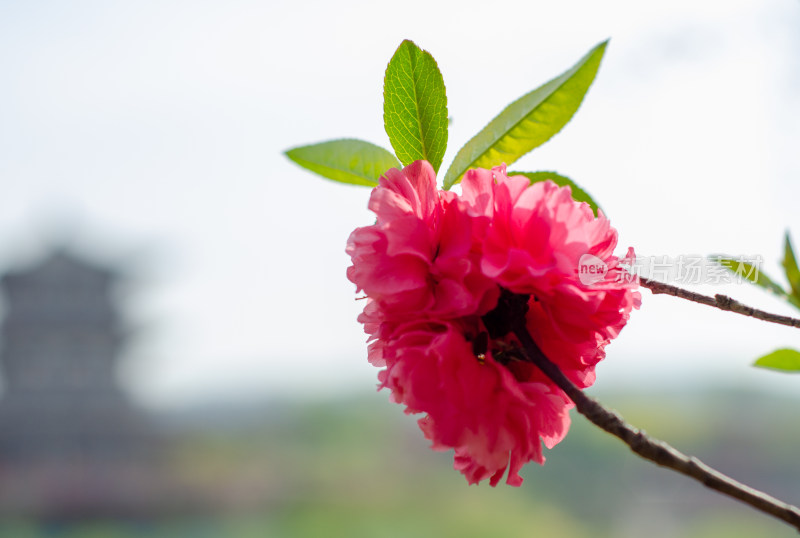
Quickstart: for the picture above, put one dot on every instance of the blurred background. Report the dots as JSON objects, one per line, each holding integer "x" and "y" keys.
{"x": 179, "y": 347}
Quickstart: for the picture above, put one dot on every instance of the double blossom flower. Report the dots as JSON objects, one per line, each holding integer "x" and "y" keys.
{"x": 434, "y": 268}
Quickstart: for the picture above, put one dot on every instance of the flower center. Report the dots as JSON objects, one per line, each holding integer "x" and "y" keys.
{"x": 500, "y": 324}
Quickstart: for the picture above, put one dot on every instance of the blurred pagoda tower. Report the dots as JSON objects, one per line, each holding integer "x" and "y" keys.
{"x": 60, "y": 341}
{"x": 67, "y": 431}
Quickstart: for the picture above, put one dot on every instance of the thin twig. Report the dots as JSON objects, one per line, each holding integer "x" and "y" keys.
{"x": 723, "y": 302}
{"x": 654, "y": 450}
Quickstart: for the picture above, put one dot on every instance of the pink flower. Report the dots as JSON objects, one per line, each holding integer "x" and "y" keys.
{"x": 534, "y": 237}
{"x": 419, "y": 258}
{"x": 492, "y": 415}
{"x": 434, "y": 266}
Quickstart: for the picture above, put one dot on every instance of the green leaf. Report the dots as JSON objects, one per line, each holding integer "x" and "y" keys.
{"x": 787, "y": 360}
{"x": 415, "y": 106}
{"x": 750, "y": 272}
{"x": 346, "y": 160}
{"x": 578, "y": 194}
{"x": 528, "y": 122}
{"x": 790, "y": 266}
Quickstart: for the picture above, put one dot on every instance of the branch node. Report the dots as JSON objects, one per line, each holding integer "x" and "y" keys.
{"x": 722, "y": 302}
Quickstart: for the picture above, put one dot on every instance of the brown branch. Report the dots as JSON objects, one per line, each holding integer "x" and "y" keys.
{"x": 723, "y": 302}
{"x": 654, "y": 450}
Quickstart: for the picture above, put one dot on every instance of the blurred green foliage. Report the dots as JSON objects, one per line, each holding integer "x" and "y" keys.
{"x": 360, "y": 468}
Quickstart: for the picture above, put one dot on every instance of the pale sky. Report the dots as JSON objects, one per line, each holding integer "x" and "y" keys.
{"x": 151, "y": 133}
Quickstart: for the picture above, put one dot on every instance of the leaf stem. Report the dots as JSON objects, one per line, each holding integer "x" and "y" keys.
{"x": 723, "y": 302}
{"x": 652, "y": 449}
